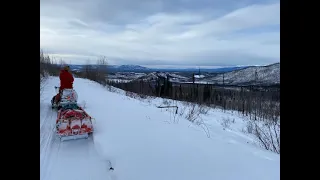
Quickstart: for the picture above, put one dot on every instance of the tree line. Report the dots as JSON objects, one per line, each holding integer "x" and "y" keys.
{"x": 255, "y": 103}
{"x": 51, "y": 67}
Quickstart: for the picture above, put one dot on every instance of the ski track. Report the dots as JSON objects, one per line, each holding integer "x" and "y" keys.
{"x": 68, "y": 160}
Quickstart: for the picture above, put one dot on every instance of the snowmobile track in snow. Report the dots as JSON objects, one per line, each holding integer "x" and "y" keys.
{"x": 68, "y": 160}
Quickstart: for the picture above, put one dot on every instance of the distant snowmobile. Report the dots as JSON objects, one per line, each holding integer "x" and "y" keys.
{"x": 72, "y": 121}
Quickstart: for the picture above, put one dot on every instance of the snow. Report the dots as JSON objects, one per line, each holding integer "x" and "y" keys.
{"x": 265, "y": 74}
{"x": 199, "y": 76}
{"x": 173, "y": 77}
{"x": 119, "y": 80}
{"x": 144, "y": 142}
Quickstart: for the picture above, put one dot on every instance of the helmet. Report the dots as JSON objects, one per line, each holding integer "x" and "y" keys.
{"x": 66, "y": 67}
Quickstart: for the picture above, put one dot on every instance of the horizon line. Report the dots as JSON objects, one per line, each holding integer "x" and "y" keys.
{"x": 179, "y": 66}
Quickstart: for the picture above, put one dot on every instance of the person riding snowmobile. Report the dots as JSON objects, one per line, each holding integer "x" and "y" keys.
{"x": 66, "y": 82}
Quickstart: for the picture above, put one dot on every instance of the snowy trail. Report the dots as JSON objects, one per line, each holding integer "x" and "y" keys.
{"x": 136, "y": 137}
{"x": 68, "y": 160}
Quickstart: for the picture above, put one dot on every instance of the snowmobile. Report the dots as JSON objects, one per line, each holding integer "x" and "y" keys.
{"x": 72, "y": 121}
{"x": 68, "y": 97}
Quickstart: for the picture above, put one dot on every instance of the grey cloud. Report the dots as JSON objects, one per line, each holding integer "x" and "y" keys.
{"x": 177, "y": 32}
{"x": 129, "y": 11}
{"x": 218, "y": 59}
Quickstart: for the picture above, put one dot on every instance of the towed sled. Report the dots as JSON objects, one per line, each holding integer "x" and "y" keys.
{"x": 72, "y": 121}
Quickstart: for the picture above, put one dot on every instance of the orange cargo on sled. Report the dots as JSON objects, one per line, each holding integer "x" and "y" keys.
{"x": 73, "y": 124}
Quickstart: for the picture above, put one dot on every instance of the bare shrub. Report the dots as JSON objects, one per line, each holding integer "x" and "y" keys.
{"x": 225, "y": 122}
{"x": 166, "y": 102}
{"x": 42, "y": 83}
{"x": 249, "y": 127}
{"x": 193, "y": 113}
{"x": 102, "y": 70}
{"x": 142, "y": 96}
{"x": 204, "y": 127}
{"x": 110, "y": 88}
{"x": 47, "y": 68}
{"x": 131, "y": 94}
{"x": 268, "y": 135}
{"x": 182, "y": 110}
{"x": 186, "y": 103}
{"x": 97, "y": 73}
{"x": 203, "y": 109}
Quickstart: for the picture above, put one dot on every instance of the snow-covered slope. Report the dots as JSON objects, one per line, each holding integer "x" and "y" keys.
{"x": 154, "y": 75}
{"x": 264, "y": 74}
{"x": 142, "y": 144}
{"x": 131, "y": 67}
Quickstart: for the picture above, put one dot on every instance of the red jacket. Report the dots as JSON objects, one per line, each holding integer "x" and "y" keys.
{"x": 66, "y": 80}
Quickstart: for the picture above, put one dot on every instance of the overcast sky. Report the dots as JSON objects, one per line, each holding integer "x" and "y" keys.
{"x": 162, "y": 32}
